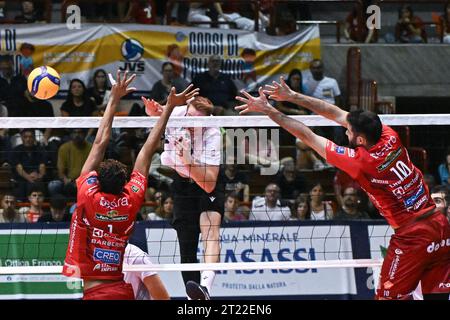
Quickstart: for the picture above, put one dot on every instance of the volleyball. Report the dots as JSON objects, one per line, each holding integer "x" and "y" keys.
{"x": 43, "y": 82}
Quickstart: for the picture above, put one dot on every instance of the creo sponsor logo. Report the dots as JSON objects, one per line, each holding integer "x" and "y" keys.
{"x": 433, "y": 247}
{"x": 107, "y": 256}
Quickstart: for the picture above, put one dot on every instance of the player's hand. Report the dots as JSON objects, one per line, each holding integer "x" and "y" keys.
{"x": 183, "y": 98}
{"x": 278, "y": 91}
{"x": 120, "y": 87}
{"x": 152, "y": 108}
{"x": 253, "y": 104}
{"x": 183, "y": 148}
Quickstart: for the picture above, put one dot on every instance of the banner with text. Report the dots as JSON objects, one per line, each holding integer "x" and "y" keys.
{"x": 262, "y": 244}
{"x": 250, "y": 58}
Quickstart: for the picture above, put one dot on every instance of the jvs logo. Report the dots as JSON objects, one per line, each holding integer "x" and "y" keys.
{"x": 132, "y": 51}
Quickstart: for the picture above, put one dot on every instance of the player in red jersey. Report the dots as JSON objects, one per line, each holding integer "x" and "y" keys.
{"x": 107, "y": 204}
{"x": 420, "y": 248}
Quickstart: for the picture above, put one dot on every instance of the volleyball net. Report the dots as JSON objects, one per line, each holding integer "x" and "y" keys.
{"x": 265, "y": 251}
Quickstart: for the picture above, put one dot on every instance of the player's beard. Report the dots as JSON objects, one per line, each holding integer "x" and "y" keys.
{"x": 352, "y": 143}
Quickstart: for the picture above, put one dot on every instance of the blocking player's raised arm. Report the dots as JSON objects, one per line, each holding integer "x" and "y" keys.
{"x": 294, "y": 127}
{"x": 282, "y": 92}
{"x": 97, "y": 153}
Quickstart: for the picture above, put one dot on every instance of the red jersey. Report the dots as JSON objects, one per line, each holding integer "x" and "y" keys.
{"x": 385, "y": 172}
{"x": 101, "y": 226}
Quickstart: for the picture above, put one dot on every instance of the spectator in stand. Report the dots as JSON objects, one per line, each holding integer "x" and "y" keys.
{"x": 295, "y": 82}
{"x": 270, "y": 207}
{"x": 2, "y": 11}
{"x": 164, "y": 211}
{"x": 35, "y": 210}
{"x": 141, "y": 11}
{"x": 71, "y": 157}
{"x": 351, "y": 209}
{"x": 236, "y": 181}
{"x": 429, "y": 180}
{"x": 341, "y": 181}
{"x": 231, "y": 13}
{"x": 29, "y": 161}
{"x": 29, "y": 14}
{"x": 301, "y": 208}
{"x": 12, "y": 86}
{"x": 320, "y": 209}
{"x": 231, "y": 207}
{"x": 58, "y": 210}
{"x": 8, "y": 210}
{"x": 217, "y": 87}
{"x": 161, "y": 88}
{"x": 445, "y": 23}
{"x": 409, "y": 28}
{"x": 355, "y": 29}
{"x": 78, "y": 103}
{"x": 99, "y": 92}
{"x": 290, "y": 181}
{"x": 444, "y": 169}
{"x": 441, "y": 197}
{"x": 321, "y": 87}
{"x": 207, "y": 13}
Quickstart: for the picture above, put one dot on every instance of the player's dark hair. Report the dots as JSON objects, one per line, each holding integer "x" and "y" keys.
{"x": 112, "y": 176}
{"x": 367, "y": 123}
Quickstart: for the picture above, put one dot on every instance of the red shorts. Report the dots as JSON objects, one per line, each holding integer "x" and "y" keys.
{"x": 110, "y": 291}
{"x": 417, "y": 252}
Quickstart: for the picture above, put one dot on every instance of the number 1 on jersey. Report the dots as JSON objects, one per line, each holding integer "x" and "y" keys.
{"x": 110, "y": 228}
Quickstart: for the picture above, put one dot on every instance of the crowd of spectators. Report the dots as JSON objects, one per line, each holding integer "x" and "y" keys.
{"x": 275, "y": 18}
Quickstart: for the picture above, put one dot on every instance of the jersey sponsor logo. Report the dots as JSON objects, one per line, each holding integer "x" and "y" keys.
{"x": 107, "y": 256}
{"x": 433, "y": 247}
{"x": 212, "y": 199}
{"x": 391, "y": 157}
{"x": 340, "y": 150}
{"x": 399, "y": 192}
{"x": 102, "y": 267}
{"x": 119, "y": 244}
{"x": 378, "y": 181}
{"x": 394, "y": 267}
{"x": 121, "y": 202}
{"x": 135, "y": 189}
{"x": 136, "y": 181}
{"x": 97, "y": 233}
{"x": 444, "y": 285}
{"x": 112, "y": 215}
{"x": 91, "y": 180}
{"x": 398, "y": 251}
{"x": 420, "y": 202}
{"x": 387, "y": 285}
{"x": 386, "y": 148}
{"x": 409, "y": 202}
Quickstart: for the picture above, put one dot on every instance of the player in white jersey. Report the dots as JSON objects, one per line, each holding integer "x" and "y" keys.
{"x": 147, "y": 285}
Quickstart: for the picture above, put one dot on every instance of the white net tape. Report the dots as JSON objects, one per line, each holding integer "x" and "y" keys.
{"x": 223, "y": 121}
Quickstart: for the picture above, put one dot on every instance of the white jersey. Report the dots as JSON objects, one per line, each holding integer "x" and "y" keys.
{"x": 135, "y": 256}
{"x": 326, "y": 89}
{"x": 205, "y": 145}
{"x": 260, "y": 211}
